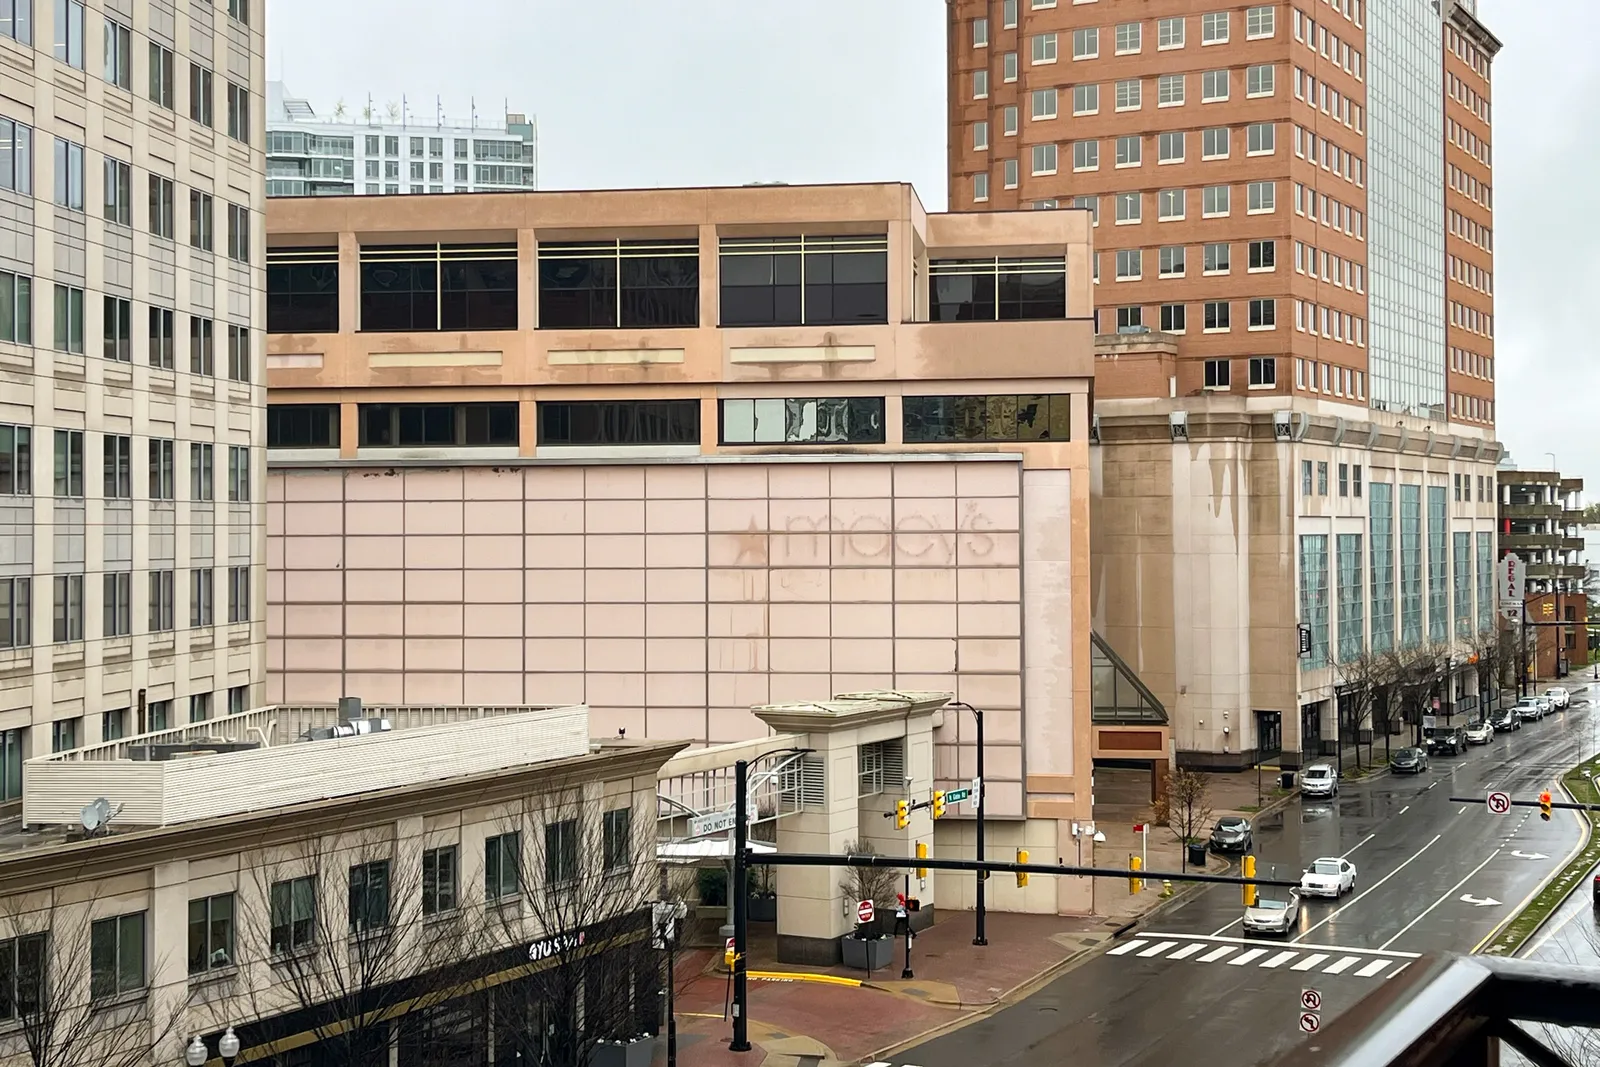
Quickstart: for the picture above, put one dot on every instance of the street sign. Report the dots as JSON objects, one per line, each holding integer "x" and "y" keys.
{"x": 1512, "y": 577}
{"x": 1429, "y": 721}
{"x": 1141, "y": 828}
{"x": 1310, "y": 1021}
{"x": 864, "y": 911}
{"x": 956, "y": 796}
{"x": 1499, "y": 803}
{"x": 977, "y": 793}
{"x": 1310, "y": 1000}
{"x": 717, "y": 821}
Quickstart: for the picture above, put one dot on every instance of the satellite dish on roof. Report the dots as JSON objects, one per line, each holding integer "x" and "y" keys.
{"x": 96, "y": 814}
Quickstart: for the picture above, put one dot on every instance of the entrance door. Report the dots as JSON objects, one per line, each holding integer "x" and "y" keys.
{"x": 1269, "y": 735}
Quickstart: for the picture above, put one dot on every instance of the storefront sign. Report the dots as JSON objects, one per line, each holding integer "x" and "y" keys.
{"x": 553, "y": 945}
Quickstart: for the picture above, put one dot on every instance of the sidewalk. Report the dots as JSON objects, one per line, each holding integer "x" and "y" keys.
{"x": 794, "y": 1023}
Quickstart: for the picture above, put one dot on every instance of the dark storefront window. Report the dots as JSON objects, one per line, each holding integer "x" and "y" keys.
{"x": 804, "y": 281}
{"x": 978, "y": 290}
{"x": 438, "y": 287}
{"x": 302, "y": 290}
{"x": 302, "y": 425}
{"x": 437, "y": 425}
{"x": 599, "y": 285}
{"x": 978, "y": 419}
{"x": 619, "y": 422}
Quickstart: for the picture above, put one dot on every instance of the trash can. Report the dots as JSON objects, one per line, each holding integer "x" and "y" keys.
{"x": 1197, "y": 856}
{"x": 1286, "y": 779}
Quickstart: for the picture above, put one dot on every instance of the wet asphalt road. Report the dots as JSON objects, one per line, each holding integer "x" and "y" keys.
{"x": 1195, "y": 991}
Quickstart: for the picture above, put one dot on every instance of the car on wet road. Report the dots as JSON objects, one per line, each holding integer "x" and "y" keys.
{"x": 1273, "y": 915}
{"x": 1409, "y": 761}
{"x": 1446, "y": 741}
{"x": 1328, "y": 877}
{"x": 1319, "y": 780}
{"x": 1506, "y": 721}
{"x": 1532, "y": 709}
{"x": 1558, "y": 696}
{"x": 1231, "y": 834}
{"x": 1480, "y": 733}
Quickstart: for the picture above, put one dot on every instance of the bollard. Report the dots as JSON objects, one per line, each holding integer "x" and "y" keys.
{"x": 1166, "y": 887}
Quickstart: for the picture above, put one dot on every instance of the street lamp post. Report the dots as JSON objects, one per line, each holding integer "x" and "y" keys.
{"x": 979, "y": 933}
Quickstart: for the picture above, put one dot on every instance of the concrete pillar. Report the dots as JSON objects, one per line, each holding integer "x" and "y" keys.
{"x": 810, "y": 913}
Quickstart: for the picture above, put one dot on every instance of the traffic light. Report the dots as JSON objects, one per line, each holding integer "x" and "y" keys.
{"x": 902, "y": 814}
{"x": 938, "y": 803}
{"x": 1544, "y": 805}
{"x": 1250, "y": 890}
{"x": 1135, "y": 884}
{"x": 922, "y": 854}
{"x": 1022, "y": 876}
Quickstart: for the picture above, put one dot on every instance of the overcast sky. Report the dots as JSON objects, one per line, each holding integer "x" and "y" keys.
{"x": 689, "y": 92}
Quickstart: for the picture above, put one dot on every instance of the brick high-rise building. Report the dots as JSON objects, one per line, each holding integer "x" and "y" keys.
{"x": 1294, "y": 383}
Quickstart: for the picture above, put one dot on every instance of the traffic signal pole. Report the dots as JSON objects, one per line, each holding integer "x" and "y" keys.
{"x": 741, "y": 921}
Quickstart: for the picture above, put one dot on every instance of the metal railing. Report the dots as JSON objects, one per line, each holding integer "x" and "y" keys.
{"x": 1459, "y": 1011}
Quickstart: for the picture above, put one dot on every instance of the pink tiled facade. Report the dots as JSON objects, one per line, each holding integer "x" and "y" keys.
{"x": 670, "y": 597}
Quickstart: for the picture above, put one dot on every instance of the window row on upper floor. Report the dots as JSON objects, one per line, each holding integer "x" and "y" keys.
{"x": 855, "y": 420}
{"x": 646, "y": 284}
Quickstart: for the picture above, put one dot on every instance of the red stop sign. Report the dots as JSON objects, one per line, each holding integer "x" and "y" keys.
{"x": 864, "y": 911}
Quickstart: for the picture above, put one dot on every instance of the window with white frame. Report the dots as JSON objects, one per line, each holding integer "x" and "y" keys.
{"x": 1008, "y": 120}
{"x": 1130, "y": 38}
{"x": 1008, "y": 172}
{"x": 1086, "y": 43}
{"x": 1086, "y": 155}
{"x": 1130, "y": 94}
{"x": 1092, "y": 204}
{"x": 1130, "y": 264}
{"x": 1008, "y": 15}
{"x": 1169, "y": 33}
{"x": 1263, "y": 255}
{"x": 1171, "y": 147}
{"x": 1042, "y": 104}
{"x": 1214, "y": 142}
{"x": 1214, "y": 27}
{"x": 1130, "y": 318}
{"x": 1263, "y": 197}
{"x": 980, "y": 33}
{"x": 1213, "y": 86}
{"x": 1172, "y": 261}
{"x": 1261, "y": 138}
{"x": 1130, "y": 150}
{"x": 1169, "y": 90}
{"x": 1260, "y": 22}
{"x": 1044, "y": 159}
{"x": 1216, "y": 316}
{"x": 1044, "y": 48}
{"x": 1260, "y": 80}
{"x": 1215, "y": 201}
{"x": 980, "y": 136}
{"x": 980, "y": 187}
{"x": 1173, "y": 318}
{"x": 1215, "y": 258}
{"x": 1217, "y": 373}
{"x": 980, "y": 85}
{"x": 1263, "y": 314}
{"x": 1008, "y": 67}
{"x": 1263, "y": 372}
{"x": 1172, "y": 204}
{"x": 1128, "y": 208}
{"x": 1085, "y": 99}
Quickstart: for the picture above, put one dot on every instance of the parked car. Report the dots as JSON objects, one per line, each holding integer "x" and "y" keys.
{"x": 1446, "y": 740}
{"x": 1558, "y": 697}
{"x": 1506, "y": 720}
{"x": 1480, "y": 733}
{"x": 1319, "y": 780}
{"x": 1328, "y": 877}
{"x": 1231, "y": 834}
{"x": 1531, "y": 709}
{"x": 1273, "y": 916}
{"x": 1409, "y": 761}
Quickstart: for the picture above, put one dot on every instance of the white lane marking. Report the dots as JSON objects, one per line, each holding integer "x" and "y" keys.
{"x": 1403, "y": 810}
{"x": 878, "y": 1063}
{"x": 1360, "y": 896}
{"x": 1123, "y": 950}
{"x": 1372, "y": 968}
{"x": 1245, "y": 957}
{"x": 1357, "y": 845}
{"x": 1448, "y": 894}
{"x": 1463, "y": 811}
{"x": 1341, "y": 966}
{"x": 1400, "y": 968}
{"x": 1309, "y": 962}
{"x": 1279, "y": 960}
{"x": 1216, "y": 954}
{"x": 1224, "y": 929}
{"x": 1157, "y": 949}
{"x": 1187, "y": 950}
{"x": 1256, "y": 941}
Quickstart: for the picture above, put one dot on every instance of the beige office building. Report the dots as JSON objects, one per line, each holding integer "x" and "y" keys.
{"x": 131, "y": 300}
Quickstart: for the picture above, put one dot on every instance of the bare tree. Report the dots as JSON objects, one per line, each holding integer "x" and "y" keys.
{"x": 1493, "y": 648}
{"x": 862, "y": 882}
{"x": 359, "y": 932}
{"x": 1418, "y": 673}
{"x": 70, "y": 983}
{"x": 1365, "y": 678}
{"x": 579, "y": 894}
{"x": 1185, "y": 808}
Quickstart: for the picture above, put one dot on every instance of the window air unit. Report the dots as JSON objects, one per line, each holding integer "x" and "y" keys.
{"x": 1281, "y": 429}
{"x": 1179, "y": 422}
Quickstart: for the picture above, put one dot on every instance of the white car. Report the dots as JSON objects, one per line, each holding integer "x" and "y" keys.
{"x": 1480, "y": 733}
{"x": 1273, "y": 916}
{"x": 1330, "y": 877}
{"x": 1558, "y": 697}
{"x": 1319, "y": 780}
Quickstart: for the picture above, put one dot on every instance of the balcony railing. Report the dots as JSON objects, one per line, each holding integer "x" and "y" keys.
{"x": 1459, "y": 1012}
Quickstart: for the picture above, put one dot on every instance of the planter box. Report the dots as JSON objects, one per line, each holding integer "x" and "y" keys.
{"x": 762, "y": 909}
{"x": 633, "y": 1054}
{"x": 867, "y": 955}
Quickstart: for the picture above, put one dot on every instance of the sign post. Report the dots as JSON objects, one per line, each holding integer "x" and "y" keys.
{"x": 1143, "y": 830}
{"x": 1310, "y": 1011}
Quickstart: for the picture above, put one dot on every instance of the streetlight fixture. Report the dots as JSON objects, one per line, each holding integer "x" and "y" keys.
{"x": 195, "y": 1053}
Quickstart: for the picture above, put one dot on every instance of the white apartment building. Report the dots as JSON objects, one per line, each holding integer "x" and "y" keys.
{"x": 132, "y": 580}
{"x": 391, "y": 150}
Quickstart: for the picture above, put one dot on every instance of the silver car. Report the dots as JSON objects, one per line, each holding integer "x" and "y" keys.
{"x": 1273, "y": 916}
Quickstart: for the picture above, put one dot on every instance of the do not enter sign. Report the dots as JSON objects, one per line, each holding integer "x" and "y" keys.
{"x": 864, "y": 911}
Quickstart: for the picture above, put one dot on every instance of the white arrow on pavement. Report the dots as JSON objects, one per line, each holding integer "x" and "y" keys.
{"x": 1529, "y": 855}
{"x": 1486, "y": 902}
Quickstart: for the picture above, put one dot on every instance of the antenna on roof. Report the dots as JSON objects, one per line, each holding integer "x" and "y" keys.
{"x": 96, "y": 814}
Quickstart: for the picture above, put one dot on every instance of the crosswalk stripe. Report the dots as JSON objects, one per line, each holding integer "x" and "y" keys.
{"x": 1309, "y": 962}
{"x": 878, "y": 1063}
{"x": 1123, "y": 950}
{"x": 1342, "y": 966}
{"x": 1400, "y": 968}
{"x": 1372, "y": 968}
{"x": 1187, "y": 950}
{"x": 1245, "y": 957}
{"x": 1279, "y": 960}
{"x": 1157, "y": 949}
{"x": 1216, "y": 954}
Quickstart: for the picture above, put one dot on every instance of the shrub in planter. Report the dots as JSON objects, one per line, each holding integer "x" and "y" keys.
{"x": 762, "y": 905}
{"x": 869, "y": 947}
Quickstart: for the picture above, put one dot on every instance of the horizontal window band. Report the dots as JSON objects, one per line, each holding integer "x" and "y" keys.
{"x": 278, "y": 257}
{"x": 613, "y": 250}
{"x": 758, "y": 246}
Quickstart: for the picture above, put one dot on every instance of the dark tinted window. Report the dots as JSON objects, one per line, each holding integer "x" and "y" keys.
{"x": 812, "y": 281}
{"x": 961, "y": 290}
{"x": 1036, "y": 417}
{"x": 437, "y": 425}
{"x": 478, "y": 290}
{"x": 619, "y": 422}
{"x": 439, "y": 287}
{"x": 303, "y": 290}
{"x": 399, "y": 289}
{"x": 603, "y": 285}
{"x": 302, "y": 425}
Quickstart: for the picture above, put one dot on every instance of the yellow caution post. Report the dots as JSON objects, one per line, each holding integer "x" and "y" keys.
{"x": 1135, "y": 884}
{"x": 1249, "y": 889}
